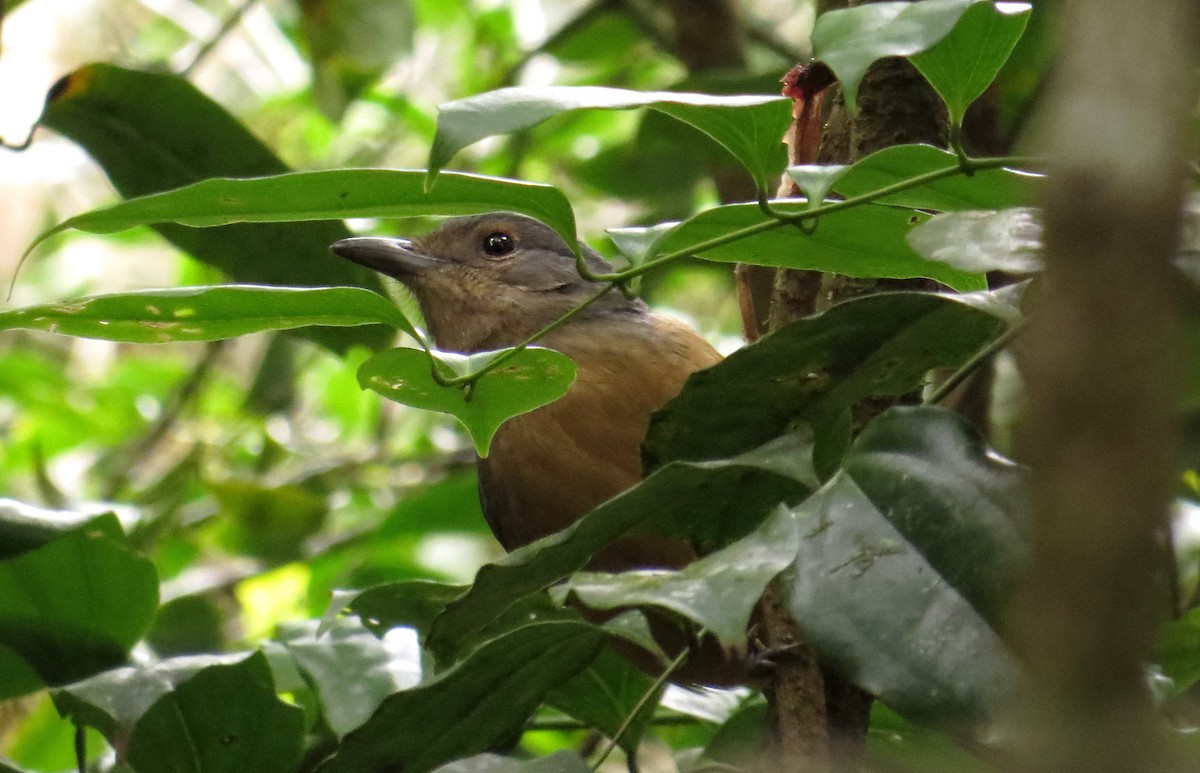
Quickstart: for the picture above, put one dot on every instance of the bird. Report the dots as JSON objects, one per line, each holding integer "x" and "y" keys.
{"x": 490, "y": 281}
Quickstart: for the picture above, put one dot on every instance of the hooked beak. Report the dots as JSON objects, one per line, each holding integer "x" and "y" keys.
{"x": 397, "y": 258}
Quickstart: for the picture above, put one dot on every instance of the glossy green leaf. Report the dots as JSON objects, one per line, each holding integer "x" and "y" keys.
{"x": 114, "y": 701}
{"x": 986, "y": 189}
{"x": 710, "y": 503}
{"x": 24, "y": 527}
{"x": 908, "y": 552}
{"x": 751, "y": 127}
{"x": 865, "y": 241}
{"x": 983, "y": 240}
{"x": 152, "y": 132}
{"x": 413, "y": 603}
{"x": 562, "y": 761}
{"x": 226, "y": 718}
{"x": 718, "y": 591}
{"x": 483, "y": 700}
{"x": 206, "y": 313}
{"x": 76, "y": 605}
{"x": 328, "y": 194}
{"x": 814, "y": 369}
{"x": 531, "y": 379}
{"x": 605, "y": 694}
{"x": 850, "y": 39}
{"x": 351, "y": 670}
{"x": 965, "y": 62}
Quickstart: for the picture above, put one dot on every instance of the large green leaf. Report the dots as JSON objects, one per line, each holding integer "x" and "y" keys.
{"x": 986, "y": 189}
{"x": 850, "y": 39}
{"x": 328, "y": 194}
{"x": 413, "y": 603}
{"x": 751, "y": 127}
{"x": 226, "y": 718}
{"x": 965, "y": 62}
{"x": 114, "y": 701}
{"x": 25, "y": 527}
{"x": 74, "y": 606}
{"x": 482, "y": 701}
{"x": 351, "y": 670}
{"x": 206, "y": 313}
{"x": 718, "y": 591}
{"x": 152, "y": 132}
{"x": 865, "y": 241}
{"x": 605, "y": 694}
{"x": 530, "y": 379}
{"x": 814, "y": 369}
{"x": 711, "y": 503}
{"x": 909, "y": 551}
{"x": 562, "y": 761}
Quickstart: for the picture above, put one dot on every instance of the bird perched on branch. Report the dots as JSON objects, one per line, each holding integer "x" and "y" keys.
{"x": 490, "y": 281}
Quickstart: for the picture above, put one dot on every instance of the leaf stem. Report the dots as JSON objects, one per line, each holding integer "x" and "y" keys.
{"x": 997, "y": 344}
{"x": 655, "y": 688}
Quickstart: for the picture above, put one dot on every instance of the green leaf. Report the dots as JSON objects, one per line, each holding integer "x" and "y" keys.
{"x": 561, "y": 761}
{"x": 152, "y": 132}
{"x": 225, "y": 718}
{"x": 812, "y": 370}
{"x": 710, "y": 503}
{"x": 984, "y": 240}
{"x": 206, "y": 313}
{"x": 965, "y": 62}
{"x": 751, "y": 127}
{"x": 986, "y": 189}
{"x": 896, "y": 745}
{"x": 888, "y": 585}
{"x": 413, "y": 603}
{"x": 1177, "y": 651}
{"x": 865, "y": 241}
{"x": 76, "y": 605}
{"x": 328, "y": 194}
{"x": 603, "y": 696}
{"x": 816, "y": 180}
{"x": 849, "y": 40}
{"x": 718, "y": 591}
{"x": 351, "y": 670}
{"x": 114, "y": 701}
{"x": 530, "y": 379}
{"x": 482, "y": 701}
{"x": 24, "y": 527}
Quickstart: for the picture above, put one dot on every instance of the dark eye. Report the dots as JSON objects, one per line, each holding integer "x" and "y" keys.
{"x": 498, "y": 243}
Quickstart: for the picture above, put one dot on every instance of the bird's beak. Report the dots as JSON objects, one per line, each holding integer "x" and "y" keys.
{"x": 397, "y": 258}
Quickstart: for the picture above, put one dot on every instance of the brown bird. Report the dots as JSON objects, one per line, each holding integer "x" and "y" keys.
{"x": 490, "y": 281}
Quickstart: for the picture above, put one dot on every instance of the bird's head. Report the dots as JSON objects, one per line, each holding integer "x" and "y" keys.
{"x": 487, "y": 281}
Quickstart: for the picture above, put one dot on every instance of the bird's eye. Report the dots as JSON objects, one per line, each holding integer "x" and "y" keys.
{"x": 498, "y": 244}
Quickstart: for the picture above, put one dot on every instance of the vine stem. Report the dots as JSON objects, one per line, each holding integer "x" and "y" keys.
{"x": 967, "y": 166}
{"x": 997, "y": 345}
{"x": 637, "y": 709}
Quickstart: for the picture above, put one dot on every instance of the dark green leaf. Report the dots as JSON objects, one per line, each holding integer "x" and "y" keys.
{"x": 351, "y": 670}
{"x": 986, "y": 189}
{"x": 413, "y": 603}
{"x": 985, "y": 240}
{"x": 711, "y": 503}
{"x": 114, "y": 701}
{"x": 850, "y": 39}
{"x": 965, "y": 62}
{"x": 329, "y": 194}
{"x": 877, "y": 586}
{"x": 751, "y": 127}
{"x": 225, "y": 718}
{"x": 902, "y": 747}
{"x": 604, "y": 695}
{"x": 815, "y": 368}
{"x": 739, "y": 741}
{"x": 482, "y": 701}
{"x": 865, "y": 241}
{"x": 24, "y": 527}
{"x": 529, "y": 380}
{"x": 206, "y": 313}
{"x": 77, "y": 604}
{"x": 718, "y": 591}
{"x": 1177, "y": 651}
{"x": 152, "y": 132}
